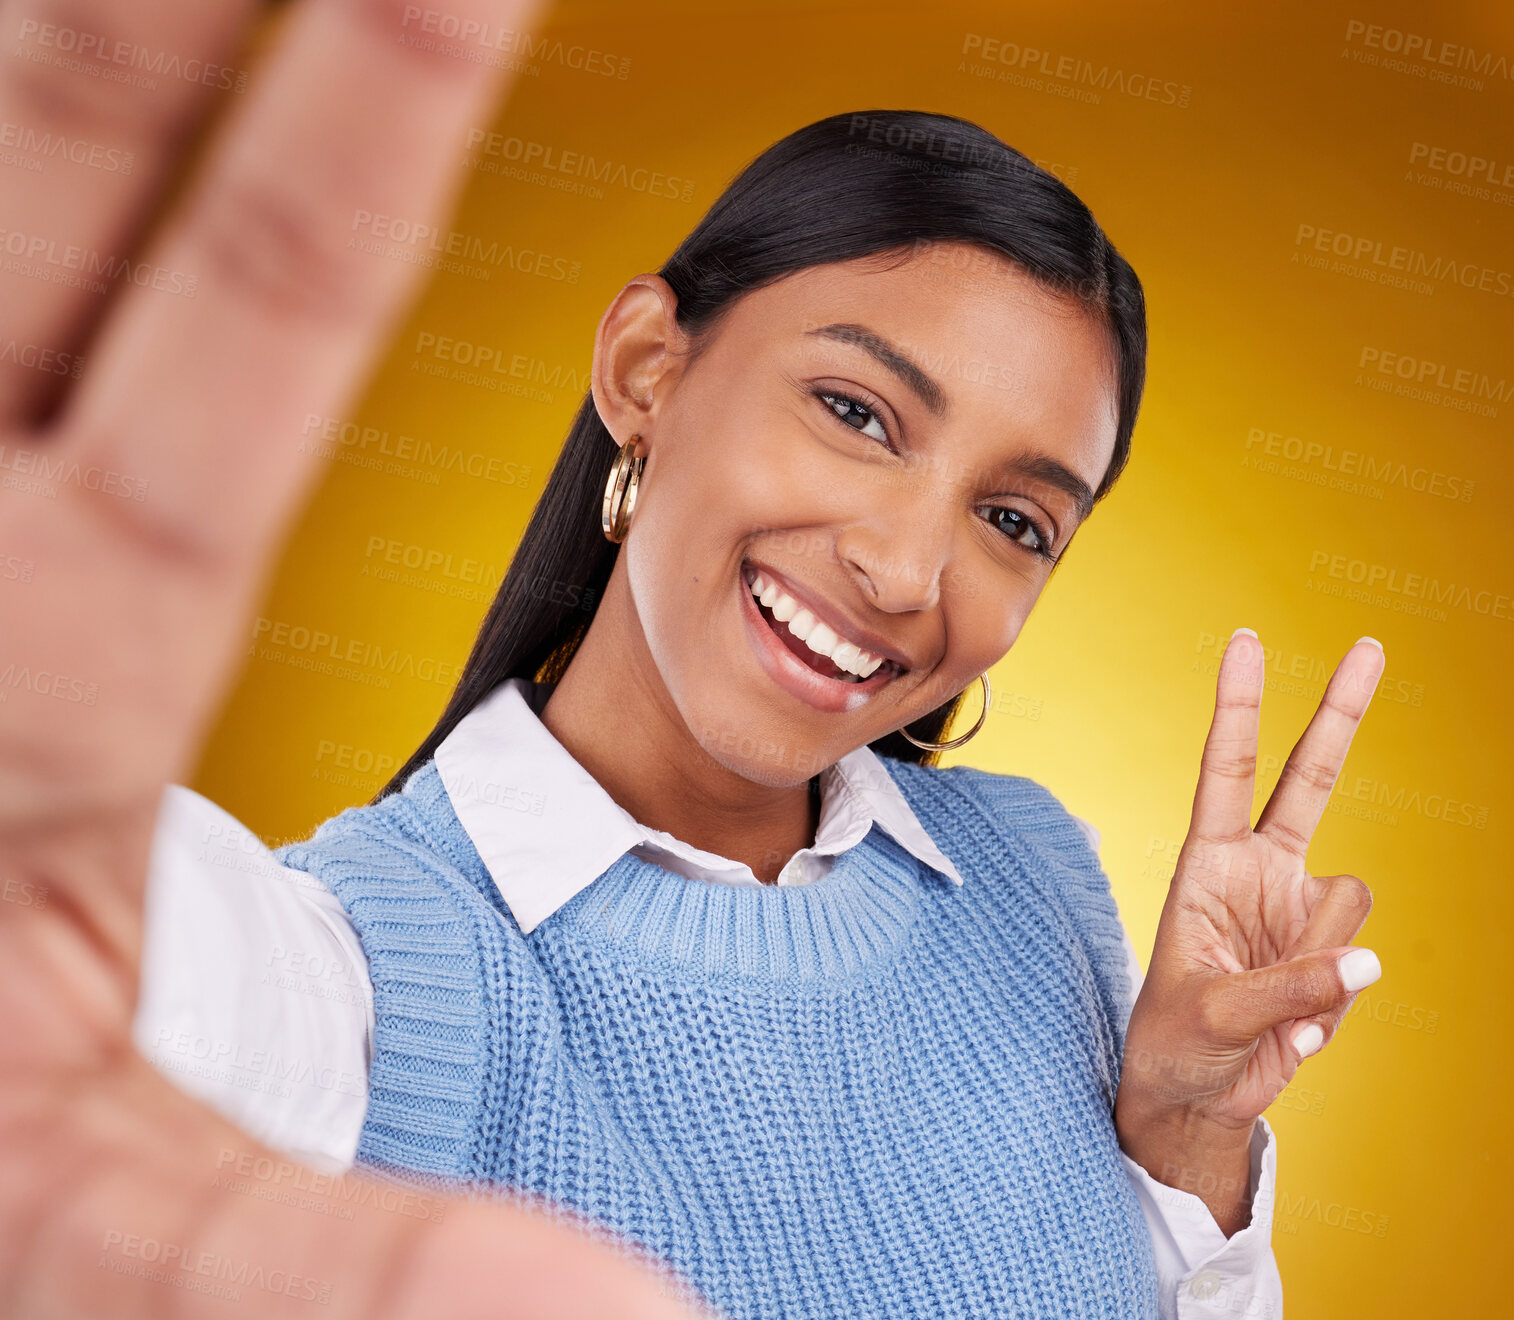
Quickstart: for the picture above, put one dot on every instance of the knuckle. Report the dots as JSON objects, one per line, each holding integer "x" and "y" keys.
{"x": 159, "y": 534}
{"x": 1214, "y": 1014}
{"x": 1295, "y": 841}
{"x": 267, "y": 239}
{"x": 1227, "y": 765}
{"x": 1305, "y": 990}
{"x": 77, "y": 100}
{"x": 1315, "y": 775}
{"x": 1359, "y": 894}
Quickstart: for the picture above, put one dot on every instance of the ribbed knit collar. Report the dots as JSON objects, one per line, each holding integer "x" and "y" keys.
{"x": 546, "y": 830}
{"x": 851, "y": 918}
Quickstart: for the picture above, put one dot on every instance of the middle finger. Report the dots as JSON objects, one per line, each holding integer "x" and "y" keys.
{"x": 1303, "y": 789}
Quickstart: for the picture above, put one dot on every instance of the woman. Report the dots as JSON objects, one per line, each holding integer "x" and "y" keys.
{"x": 674, "y": 920}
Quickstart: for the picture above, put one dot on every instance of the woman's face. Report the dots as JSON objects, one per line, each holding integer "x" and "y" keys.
{"x": 903, "y": 452}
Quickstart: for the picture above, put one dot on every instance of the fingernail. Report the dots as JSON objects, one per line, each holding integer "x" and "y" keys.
{"x": 1359, "y": 967}
{"x": 1250, "y": 632}
{"x": 1373, "y": 640}
{"x": 1308, "y": 1038}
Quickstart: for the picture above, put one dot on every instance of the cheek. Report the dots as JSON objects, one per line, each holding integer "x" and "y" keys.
{"x": 986, "y": 612}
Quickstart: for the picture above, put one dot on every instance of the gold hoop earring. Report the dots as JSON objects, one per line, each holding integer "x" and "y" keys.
{"x": 620, "y": 490}
{"x": 956, "y": 742}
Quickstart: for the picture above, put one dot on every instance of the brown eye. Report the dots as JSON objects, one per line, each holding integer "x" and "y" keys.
{"x": 853, "y": 413}
{"x": 1022, "y": 530}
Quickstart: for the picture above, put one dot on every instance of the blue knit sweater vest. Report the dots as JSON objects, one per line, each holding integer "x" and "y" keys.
{"x": 879, "y": 1094}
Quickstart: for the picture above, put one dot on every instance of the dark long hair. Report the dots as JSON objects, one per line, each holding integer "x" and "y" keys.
{"x": 848, "y": 186}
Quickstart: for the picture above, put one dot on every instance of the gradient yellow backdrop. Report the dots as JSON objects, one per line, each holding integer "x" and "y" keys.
{"x": 1324, "y": 452}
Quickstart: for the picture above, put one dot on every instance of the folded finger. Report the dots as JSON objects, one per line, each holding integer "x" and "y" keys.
{"x": 1310, "y": 1035}
{"x": 1237, "y": 1007}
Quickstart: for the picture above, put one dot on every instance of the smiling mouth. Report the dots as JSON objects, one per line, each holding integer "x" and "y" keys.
{"x": 822, "y": 664}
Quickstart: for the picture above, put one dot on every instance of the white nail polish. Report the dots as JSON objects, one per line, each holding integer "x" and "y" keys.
{"x": 1358, "y": 968}
{"x": 1250, "y": 632}
{"x": 1373, "y": 640}
{"x": 1308, "y": 1038}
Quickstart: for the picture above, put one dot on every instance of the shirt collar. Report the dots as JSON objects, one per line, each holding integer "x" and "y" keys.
{"x": 546, "y": 829}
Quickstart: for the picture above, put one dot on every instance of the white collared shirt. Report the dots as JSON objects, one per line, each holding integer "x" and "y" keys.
{"x": 256, "y": 999}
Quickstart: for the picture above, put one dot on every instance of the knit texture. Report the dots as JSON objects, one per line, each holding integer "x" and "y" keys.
{"x": 876, "y": 1095}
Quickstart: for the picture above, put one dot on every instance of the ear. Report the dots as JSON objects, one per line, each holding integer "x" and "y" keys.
{"x": 638, "y": 356}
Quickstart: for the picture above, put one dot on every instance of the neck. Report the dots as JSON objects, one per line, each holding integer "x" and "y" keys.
{"x": 616, "y": 718}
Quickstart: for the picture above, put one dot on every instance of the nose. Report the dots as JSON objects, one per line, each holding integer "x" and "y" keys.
{"x": 898, "y": 562}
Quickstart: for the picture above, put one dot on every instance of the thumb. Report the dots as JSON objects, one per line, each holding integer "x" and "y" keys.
{"x": 1243, "y": 1005}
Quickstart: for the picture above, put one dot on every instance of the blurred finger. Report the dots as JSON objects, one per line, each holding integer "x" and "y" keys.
{"x": 201, "y": 400}
{"x": 140, "y": 1202}
{"x": 1303, "y": 789}
{"x": 1227, "y": 769}
{"x": 101, "y": 95}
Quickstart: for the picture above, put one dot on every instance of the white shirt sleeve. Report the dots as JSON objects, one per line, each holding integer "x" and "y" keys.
{"x": 1200, "y": 1272}
{"x": 255, "y": 995}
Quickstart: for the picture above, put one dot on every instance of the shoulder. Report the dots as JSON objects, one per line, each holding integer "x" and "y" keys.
{"x": 1010, "y": 804}
{"x": 413, "y": 828}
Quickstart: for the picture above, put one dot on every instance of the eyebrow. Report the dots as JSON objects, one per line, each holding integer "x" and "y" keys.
{"x": 1036, "y": 465}
{"x": 895, "y": 359}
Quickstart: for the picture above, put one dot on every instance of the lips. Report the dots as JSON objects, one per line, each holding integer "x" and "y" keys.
{"x": 793, "y": 666}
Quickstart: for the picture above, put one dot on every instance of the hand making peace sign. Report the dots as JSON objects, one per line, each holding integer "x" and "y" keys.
{"x": 176, "y": 470}
{"x": 1252, "y": 969}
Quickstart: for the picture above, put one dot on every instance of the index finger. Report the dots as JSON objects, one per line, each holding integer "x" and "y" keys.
{"x": 1227, "y": 769}
{"x": 1303, "y": 789}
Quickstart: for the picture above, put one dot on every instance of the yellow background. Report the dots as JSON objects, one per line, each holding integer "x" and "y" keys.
{"x": 1393, "y": 1143}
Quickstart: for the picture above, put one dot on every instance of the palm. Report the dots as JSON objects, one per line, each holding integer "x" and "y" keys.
{"x": 1236, "y": 965}
{"x": 122, "y": 619}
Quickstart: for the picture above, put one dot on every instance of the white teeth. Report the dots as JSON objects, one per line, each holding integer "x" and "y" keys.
{"x": 819, "y": 637}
